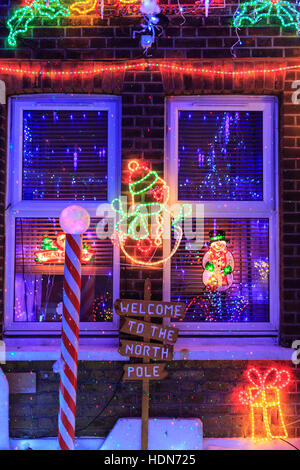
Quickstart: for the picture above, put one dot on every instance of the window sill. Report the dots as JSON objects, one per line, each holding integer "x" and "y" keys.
{"x": 230, "y": 349}
{"x": 106, "y": 349}
{"x": 48, "y": 349}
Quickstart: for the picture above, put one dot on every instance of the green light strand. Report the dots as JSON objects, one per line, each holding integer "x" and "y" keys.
{"x": 22, "y": 17}
{"x": 137, "y": 217}
{"x": 250, "y": 13}
{"x": 133, "y": 186}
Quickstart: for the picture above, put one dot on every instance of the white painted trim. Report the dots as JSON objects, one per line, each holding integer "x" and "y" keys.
{"x": 106, "y": 354}
{"x": 268, "y": 208}
{"x": 48, "y": 349}
{"x": 2, "y": 92}
{"x": 4, "y": 414}
{"x": 18, "y": 208}
{"x": 106, "y": 349}
{"x": 222, "y": 349}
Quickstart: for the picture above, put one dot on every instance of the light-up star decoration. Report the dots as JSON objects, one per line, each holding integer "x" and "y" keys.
{"x": 250, "y": 13}
{"x": 140, "y": 229}
{"x": 22, "y": 17}
{"x": 53, "y": 251}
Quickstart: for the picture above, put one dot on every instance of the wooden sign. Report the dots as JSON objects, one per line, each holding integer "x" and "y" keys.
{"x": 154, "y": 309}
{"x": 160, "y": 352}
{"x": 144, "y": 371}
{"x": 150, "y": 330}
{"x": 145, "y": 349}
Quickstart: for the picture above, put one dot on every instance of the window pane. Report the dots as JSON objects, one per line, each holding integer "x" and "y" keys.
{"x": 247, "y": 299}
{"x": 39, "y": 273}
{"x": 220, "y": 155}
{"x": 65, "y": 155}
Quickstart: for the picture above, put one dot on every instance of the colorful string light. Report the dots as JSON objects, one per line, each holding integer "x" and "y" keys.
{"x": 218, "y": 158}
{"x": 45, "y": 181}
{"x": 102, "y": 308}
{"x": 84, "y": 7}
{"x": 53, "y": 251}
{"x": 25, "y": 15}
{"x": 266, "y": 386}
{"x": 149, "y": 198}
{"x": 246, "y": 300}
{"x": 22, "y": 17}
{"x": 263, "y": 268}
{"x": 207, "y": 5}
{"x": 129, "y": 2}
{"x": 250, "y": 13}
{"x": 213, "y": 308}
{"x": 147, "y": 66}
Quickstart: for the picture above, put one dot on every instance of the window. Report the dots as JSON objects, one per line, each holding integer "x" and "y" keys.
{"x": 221, "y": 156}
{"x": 63, "y": 149}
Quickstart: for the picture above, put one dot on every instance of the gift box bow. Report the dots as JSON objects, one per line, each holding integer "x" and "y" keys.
{"x": 273, "y": 379}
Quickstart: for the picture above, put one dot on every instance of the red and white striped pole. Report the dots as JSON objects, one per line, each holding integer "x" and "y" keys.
{"x": 74, "y": 220}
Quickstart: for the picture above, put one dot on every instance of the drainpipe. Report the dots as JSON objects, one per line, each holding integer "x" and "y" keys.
{"x": 4, "y": 429}
{"x": 4, "y": 389}
{"x": 2, "y": 92}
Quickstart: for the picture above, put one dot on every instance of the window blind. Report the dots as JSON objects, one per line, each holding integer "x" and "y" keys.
{"x": 247, "y": 300}
{"x": 65, "y": 155}
{"x": 220, "y": 155}
{"x": 39, "y": 286}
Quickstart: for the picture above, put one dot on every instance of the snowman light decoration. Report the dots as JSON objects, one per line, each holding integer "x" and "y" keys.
{"x": 218, "y": 263}
{"x": 154, "y": 24}
{"x": 142, "y": 224}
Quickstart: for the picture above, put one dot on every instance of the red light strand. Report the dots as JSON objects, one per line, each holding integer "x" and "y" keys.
{"x": 143, "y": 65}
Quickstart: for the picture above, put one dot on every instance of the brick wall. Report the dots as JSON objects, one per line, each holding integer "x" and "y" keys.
{"x": 203, "y": 389}
{"x": 196, "y": 388}
{"x": 143, "y": 94}
{"x": 90, "y": 37}
{"x": 2, "y": 198}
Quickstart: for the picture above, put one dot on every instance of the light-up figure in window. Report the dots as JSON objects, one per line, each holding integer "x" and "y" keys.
{"x": 218, "y": 263}
{"x": 148, "y": 216}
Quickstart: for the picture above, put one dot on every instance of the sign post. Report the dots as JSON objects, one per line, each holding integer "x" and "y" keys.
{"x": 146, "y": 349}
{"x": 146, "y": 385}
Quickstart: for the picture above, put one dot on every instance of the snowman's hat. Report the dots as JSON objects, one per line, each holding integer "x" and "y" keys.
{"x": 217, "y": 235}
{"x": 141, "y": 177}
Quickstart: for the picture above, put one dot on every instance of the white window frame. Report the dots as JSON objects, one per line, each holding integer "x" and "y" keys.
{"x": 16, "y": 207}
{"x": 267, "y": 208}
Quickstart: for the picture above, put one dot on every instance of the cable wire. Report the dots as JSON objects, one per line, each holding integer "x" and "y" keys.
{"x": 104, "y": 407}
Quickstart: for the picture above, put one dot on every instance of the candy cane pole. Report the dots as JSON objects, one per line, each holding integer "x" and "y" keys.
{"x": 74, "y": 221}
